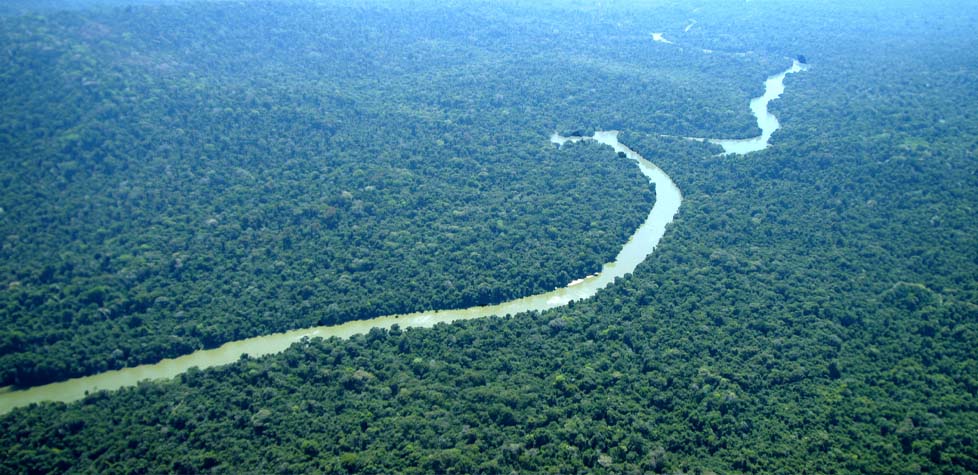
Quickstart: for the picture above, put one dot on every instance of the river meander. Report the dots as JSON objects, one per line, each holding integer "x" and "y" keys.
{"x": 639, "y": 246}
{"x": 766, "y": 121}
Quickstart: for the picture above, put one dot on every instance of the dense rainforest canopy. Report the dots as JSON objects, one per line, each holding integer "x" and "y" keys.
{"x": 180, "y": 175}
{"x": 174, "y": 184}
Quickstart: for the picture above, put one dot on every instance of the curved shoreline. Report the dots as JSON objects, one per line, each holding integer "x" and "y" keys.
{"x": 766, "y": 121}
{"x": 639, "y": 246}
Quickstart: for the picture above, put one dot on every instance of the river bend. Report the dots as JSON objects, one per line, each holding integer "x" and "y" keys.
{"x": 639, "y": 246}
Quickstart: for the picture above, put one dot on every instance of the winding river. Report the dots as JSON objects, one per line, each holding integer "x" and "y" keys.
{"x": 768, "y": 123}
{"x": 639, "y": 246}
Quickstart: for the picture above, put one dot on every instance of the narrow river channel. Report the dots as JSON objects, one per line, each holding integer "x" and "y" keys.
{"x": 639, "y": 246}
{"x": 766, "y": 121}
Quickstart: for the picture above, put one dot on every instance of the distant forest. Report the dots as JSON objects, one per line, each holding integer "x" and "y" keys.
{"x": 178, "y": 176}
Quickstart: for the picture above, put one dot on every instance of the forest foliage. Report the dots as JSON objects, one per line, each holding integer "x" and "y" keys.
{"x": 813, "y": 307}
{"x": 172, "y": 185}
